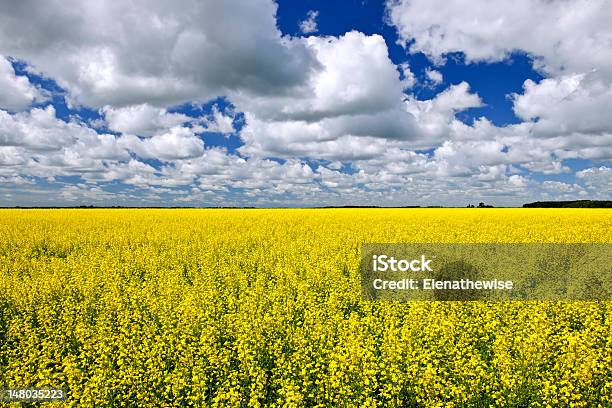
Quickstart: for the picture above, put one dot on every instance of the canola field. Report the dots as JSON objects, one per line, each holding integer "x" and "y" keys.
{"x": 188, "y": 307}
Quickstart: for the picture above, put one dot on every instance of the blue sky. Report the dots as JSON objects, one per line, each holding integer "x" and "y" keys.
{"x": 309, "y": 103}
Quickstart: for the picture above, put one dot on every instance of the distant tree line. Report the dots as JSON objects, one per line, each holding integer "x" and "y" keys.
{"x": 480, "y": 205}
{"x": 570, "y": 204}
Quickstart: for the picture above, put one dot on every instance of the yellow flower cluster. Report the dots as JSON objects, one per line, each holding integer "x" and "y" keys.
{"x": 263, "y": 308}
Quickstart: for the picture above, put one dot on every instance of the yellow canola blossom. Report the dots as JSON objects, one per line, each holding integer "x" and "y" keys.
{"x": 260, "y": 308}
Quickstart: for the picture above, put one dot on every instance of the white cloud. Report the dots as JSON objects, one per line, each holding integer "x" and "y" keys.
{"x": 568, "y": 36}
{"x": 176, "y": 144}
{"x": 472, "y": 157}
{"x": 147, "y": 121}
{"x": 17, "y": 180}
{"x": 455, "y": 99}
{"x": 436, "y": 116}
{"x": 356, "y": 93}
{"x": 219, "y": 122}
{"x": 142, "y": 120}
{"x": 131, "y": 172}
{"x": 434, "y": 76}
{"x": 517, "y": 180}
{"x": 342, "y": 138}
{"x": 217, "y": 171}
{"x": 136, "y": 52}
{"x": 38, "y": 130}
{"x": 570, "y": 41}
{"x": 409, "y": 79}
{"x": 568, "y": 104}
{"x": 309, "y": 25}
{"x": 559, "y": 186}
{"x": 354, "y": 99}
{"x": 598, "y": 179}
{"x": 355, "y": 76}
{"x": 17, "y": 93}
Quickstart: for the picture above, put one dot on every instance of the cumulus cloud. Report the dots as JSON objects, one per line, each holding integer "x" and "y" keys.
{"x": 598, "y": 179}
{"x": 142, "y": 120}
{"x": 569, "y": 42}
{"x": 358, "y": 93}
{"x": 146, "y": 121}
{"x": 37, "y": 143}
{"x": 518, "y": 181}
{"x": 435, "y": 77}
{"x": 559, "y": 186}
{"x": 177, "y": 143}
{"x": 408, "y": 78}
{"x": 436, "y": 116}
{"x": 17, "y": 91}
{"x": 309, "y": 25}
{"x": 579, "y": 103}
{"x": 219, "y": 122}
{"x": 39, "y": 130}
{"x": 136, "y": 52}
{"x": 565, "y": 36}
{"x": 355, "y": 76}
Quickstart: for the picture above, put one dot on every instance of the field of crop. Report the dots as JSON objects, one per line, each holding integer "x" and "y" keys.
{"x": 263, "y": 307}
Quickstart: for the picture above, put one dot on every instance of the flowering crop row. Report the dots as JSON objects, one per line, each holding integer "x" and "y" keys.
{"x": 263, "y": 308}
